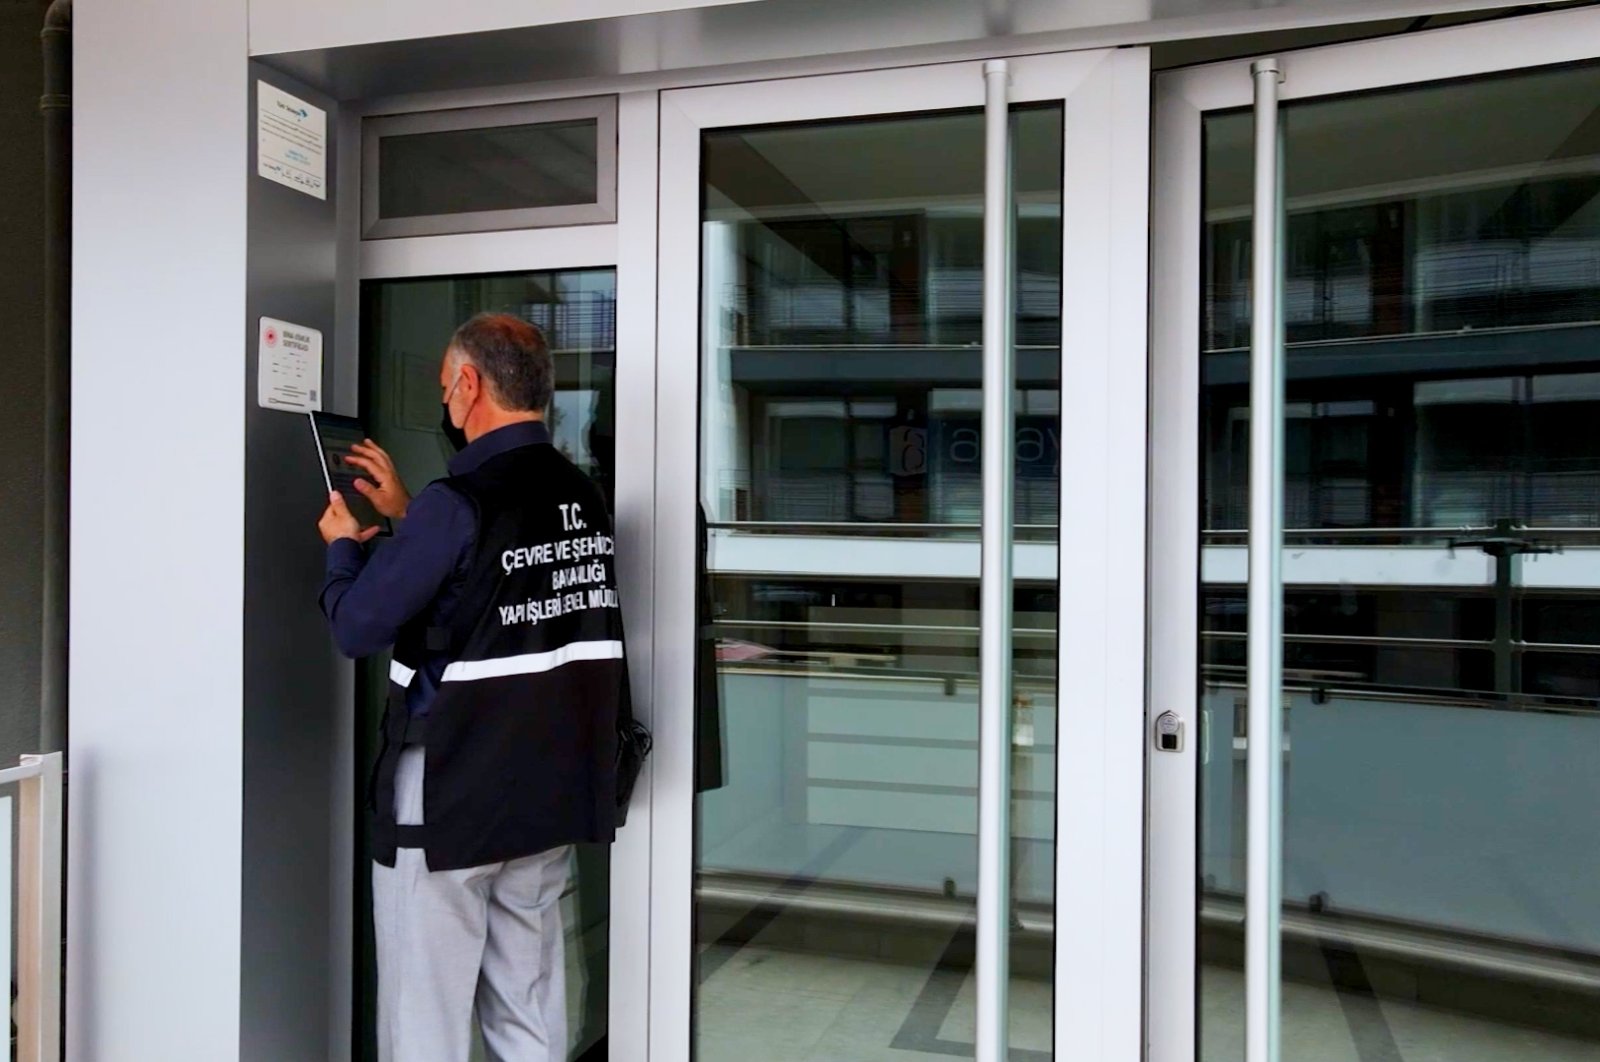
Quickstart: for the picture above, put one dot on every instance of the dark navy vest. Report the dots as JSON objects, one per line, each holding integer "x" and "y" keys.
{"x": 521, "y": 738}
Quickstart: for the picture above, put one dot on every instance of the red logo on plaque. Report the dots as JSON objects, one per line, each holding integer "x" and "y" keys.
{"x": 272, "y": 336}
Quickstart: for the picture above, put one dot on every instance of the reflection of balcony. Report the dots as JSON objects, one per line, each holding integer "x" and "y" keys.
{"x": 883, "y": 767}
{"x": 944, "y": 303}
{"x": 1413, "y": 809}
{"x": 1496, "y": 574}
{"x": 860, "y": 553}
{"x": 865, "y": 499}
{"x": 1477, "y": 351}
{"x": 1489, "y": 273}
{"x": 1408, "y": 841}
{"x": 1443, "y": 498}
{"x": 585, "y": 321}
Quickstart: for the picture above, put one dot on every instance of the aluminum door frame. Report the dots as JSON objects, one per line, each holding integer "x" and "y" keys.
{"x": 634, "y": 258}
{"x": 1100, "y": 783}
{"x": 1182, "y": 98}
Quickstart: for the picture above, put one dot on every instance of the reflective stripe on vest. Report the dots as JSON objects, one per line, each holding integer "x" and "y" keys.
{"x": 532, "y": 663}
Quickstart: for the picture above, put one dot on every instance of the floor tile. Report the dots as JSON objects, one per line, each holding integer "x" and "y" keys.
{"x": 1321, "y": 1026}
{"x": 738, "y": 1024}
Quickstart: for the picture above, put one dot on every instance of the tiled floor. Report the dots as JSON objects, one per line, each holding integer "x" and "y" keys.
{"x": 1320, "y": 1025}
{"x": 780, "y": 1006}
{"x": 791, "y": 1007}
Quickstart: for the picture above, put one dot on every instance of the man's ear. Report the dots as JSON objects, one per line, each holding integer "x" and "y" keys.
{"x": 471, "y": 381}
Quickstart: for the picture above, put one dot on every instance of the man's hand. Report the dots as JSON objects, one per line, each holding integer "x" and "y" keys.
{"x": 387, "y": 494}
{"x": 337, "y": 522}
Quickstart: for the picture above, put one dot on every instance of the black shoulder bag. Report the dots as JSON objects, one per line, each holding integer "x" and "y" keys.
{"x": 633, "y": 745}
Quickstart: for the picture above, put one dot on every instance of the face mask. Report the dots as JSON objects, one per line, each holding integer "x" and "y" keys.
{"x": 456, "y": 437}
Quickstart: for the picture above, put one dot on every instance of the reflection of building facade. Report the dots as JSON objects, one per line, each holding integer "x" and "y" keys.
{"x": 1442, "y": 484}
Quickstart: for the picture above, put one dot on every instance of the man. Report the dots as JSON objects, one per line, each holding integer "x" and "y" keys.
{"x": 498, "y": 594}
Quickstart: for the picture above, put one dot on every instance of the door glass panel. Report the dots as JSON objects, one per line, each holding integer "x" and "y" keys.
{"x": 1442, "y": 495}
{"x": 407, "y": 324}
{"x": 503, "y": 167}
{"x": 837, "y": 756}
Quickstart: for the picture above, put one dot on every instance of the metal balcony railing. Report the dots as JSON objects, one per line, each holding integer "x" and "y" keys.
{"x": 37, "y": 906}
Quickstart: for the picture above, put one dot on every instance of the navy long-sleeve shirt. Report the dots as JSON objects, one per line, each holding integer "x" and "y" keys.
{"x": 419, "y": 572}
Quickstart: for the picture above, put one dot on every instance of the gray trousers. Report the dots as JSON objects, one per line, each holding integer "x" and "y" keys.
{"x": 453, "y": 942}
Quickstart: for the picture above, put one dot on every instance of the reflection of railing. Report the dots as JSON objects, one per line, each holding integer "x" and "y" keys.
{"x": 1024, "y": 532}
{"x": 874, "y": 652}
{"x": 1324, "y": 685}
{"x": 880, "y": 628}
{"x": 1385, "y": 641}
{"x": 949, "y": 680}
{"x": 873, "y": 904}
{"x": 825, "y": 899}
{"x": 1461, "y": 534}
{"x": 1392, "y": 641}
{"x": 1421, "y": 536}
{"x": 38, "y": 906}
{"x": 841, "y": 663}
{"x": 1521, "y": 667}
{"x": 1377, "y": 938}
{"x": 1440, "y": 496}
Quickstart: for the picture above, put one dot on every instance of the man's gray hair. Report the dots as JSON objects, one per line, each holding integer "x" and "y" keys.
{"x": 512, "y": 356}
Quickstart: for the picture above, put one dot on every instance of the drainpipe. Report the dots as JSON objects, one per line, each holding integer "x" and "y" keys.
{"x": 56, "y": 107}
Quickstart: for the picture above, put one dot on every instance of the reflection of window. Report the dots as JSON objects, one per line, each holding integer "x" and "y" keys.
{"x": 916, "y": 458}
{"x": 1328, "y": 475}
{"x": 1516, "y": 253}
{"x": 1508, "y": 447}
{"x": 955, "y": 435}
{"x": 1448, "y": 453}
{"x": 890, "y": 278}
{"x": 572, "y": 412}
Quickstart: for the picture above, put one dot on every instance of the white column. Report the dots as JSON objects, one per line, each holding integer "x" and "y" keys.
{"x": 155, "y": 753}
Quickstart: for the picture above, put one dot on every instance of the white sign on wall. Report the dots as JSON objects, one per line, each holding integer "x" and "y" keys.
{"x": 289, "y": 373}
{"x": 291, "y": 141}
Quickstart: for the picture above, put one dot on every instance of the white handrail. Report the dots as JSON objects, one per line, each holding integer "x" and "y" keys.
{"x": 31, "y": 767}
{"x": 39, "y": 819}
{"x": 994, "y": 640}
{"x": 1264, "y": 862}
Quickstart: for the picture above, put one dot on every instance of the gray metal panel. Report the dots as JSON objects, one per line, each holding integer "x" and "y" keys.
{"x": 837, "y": 34}
{"x": 297, "y": 692}
{"x": 22, "y": 400}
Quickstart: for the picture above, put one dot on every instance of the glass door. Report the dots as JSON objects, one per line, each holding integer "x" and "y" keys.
{"x": 407, "y": 325}
{"x": 1437, "y": 217}
{"x": 819, "y": 815}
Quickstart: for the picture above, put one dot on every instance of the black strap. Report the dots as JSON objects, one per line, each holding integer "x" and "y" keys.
{"x": 400, "y": 729}
{"x": 411, "y": 836}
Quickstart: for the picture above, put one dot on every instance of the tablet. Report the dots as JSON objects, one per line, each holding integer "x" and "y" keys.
{"x": 334, "y": 436}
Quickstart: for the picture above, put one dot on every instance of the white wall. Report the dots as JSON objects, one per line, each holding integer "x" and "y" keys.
{"x": 157, "y": 501}
{"x": 297, "y": 25}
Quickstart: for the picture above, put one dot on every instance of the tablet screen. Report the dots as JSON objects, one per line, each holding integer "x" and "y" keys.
{"x": 335, "y": 436}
